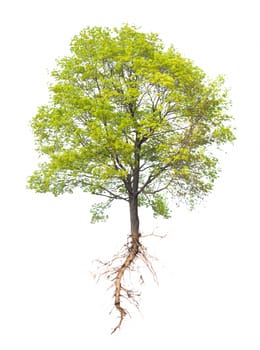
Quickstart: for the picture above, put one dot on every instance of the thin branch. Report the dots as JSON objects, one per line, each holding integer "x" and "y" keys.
{"x": 142, "y": 168}
{"x": 110, "y": 194}
{"x": 159, "y": 189}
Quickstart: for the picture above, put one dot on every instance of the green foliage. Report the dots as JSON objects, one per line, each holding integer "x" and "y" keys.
{"x": 159, "y": 206}
{"x": 98, "y": 211}
{"x": 124, "y": 111}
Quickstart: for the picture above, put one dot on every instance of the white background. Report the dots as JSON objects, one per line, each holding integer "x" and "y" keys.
{"x": 208, "y": 269}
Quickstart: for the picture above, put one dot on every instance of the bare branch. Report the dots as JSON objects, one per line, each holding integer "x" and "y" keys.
{"x": 159, "y": 189}
{"x": 110, "y": 194}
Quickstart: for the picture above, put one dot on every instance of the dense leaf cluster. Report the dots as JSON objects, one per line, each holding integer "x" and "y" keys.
{"x": 128, "y": 117}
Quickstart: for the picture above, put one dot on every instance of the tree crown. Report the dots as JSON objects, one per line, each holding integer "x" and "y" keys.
{"x": 127, "y": 117}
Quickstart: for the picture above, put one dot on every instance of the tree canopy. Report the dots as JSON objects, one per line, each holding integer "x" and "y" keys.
{"x": 122, "y": 104}
{"x": 131, "y": 120}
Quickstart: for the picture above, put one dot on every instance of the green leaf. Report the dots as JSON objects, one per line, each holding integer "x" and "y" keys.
{"x": 127, "y": 116}
{"x": 98, "y": 211}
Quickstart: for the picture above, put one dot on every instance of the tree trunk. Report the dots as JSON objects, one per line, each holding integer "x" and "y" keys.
{"x": 134, "y": 247}
{"x": 134, "y": 218}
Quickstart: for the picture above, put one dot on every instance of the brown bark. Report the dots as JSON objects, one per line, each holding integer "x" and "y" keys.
{"x": 134, "y": 218}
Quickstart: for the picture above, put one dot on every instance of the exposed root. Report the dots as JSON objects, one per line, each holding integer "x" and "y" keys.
{"x": 133, "y": 252}
{"x": 115, "y": 271}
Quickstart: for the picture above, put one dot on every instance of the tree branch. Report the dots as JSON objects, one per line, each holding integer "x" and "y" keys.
{"x": 159, "y": 189}
{"x": 110, "y": 194}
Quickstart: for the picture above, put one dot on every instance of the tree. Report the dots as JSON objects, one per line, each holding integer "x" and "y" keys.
{"x": 130, "y": 120}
